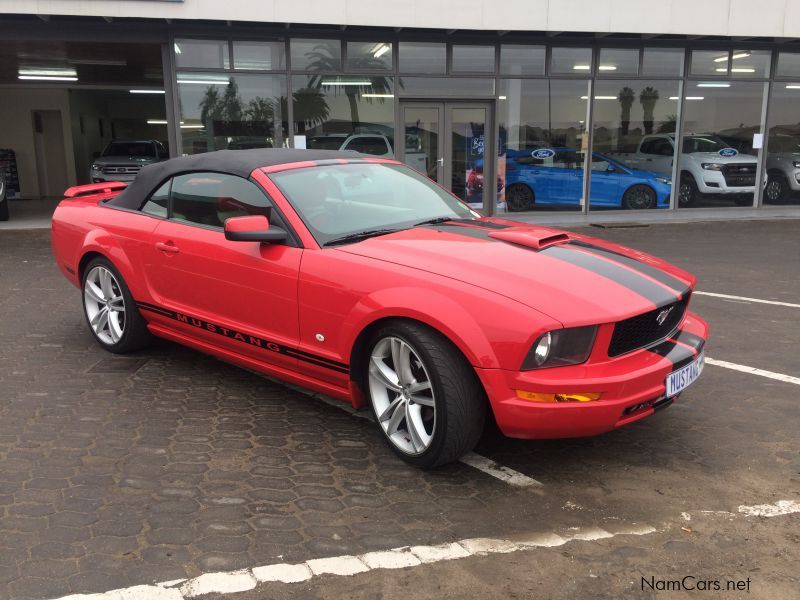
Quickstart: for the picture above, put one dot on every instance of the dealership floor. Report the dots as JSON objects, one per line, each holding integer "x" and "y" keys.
{"x": 119, "y": 472}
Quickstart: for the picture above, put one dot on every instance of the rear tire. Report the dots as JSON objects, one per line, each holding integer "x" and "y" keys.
{"x": 519, "y": 197}
{"x": 427, "y": 400}
{"x": 639, "y": 197}
{"x": 111, "y": 312}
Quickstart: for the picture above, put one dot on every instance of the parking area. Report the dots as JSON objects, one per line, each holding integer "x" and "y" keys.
{"x": 169, "y": 464}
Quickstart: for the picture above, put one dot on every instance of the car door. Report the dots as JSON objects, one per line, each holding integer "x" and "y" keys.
{"x": 605, "y": 182}
{"x": 563, "y": 178}
{"x": 240, "y": 296}
{"x": 656, "y": 155}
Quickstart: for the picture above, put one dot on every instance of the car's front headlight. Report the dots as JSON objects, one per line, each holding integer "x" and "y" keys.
{"x": 95, "y": 167}
{"x": 712, "y": 166}
{"x": 796, "y": 164}
{"x": 561, "y": 347}
{"x": 664, "y": 180}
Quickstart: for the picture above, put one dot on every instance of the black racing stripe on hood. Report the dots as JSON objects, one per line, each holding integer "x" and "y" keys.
{"x": 678, "y": 354}
{"x": 651, "y": 271}
{"x": 632, "y": 280}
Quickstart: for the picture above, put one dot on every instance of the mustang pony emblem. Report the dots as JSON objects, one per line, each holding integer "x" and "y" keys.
{"x": 662, "y": 316}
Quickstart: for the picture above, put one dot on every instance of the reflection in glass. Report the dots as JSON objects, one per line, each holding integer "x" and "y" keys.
{"x": 634, "y": 126}
{"x": 473, "y": 59}
{"x": 441, "y": 87}
{"x": 618, "y": 61}
{"x": 542, "y": 143}
{"x": 369, "y": 56}
{"x": 571, "y": 61}
{"x": 330, "y": 109}
{"x": 783, "y": 145}
{"x": 662, "y": 62}
{"x": 201, "y": 54}
{"x": 468, "y": 141}
{"x": 423, "y": 57}
{"x": 421, "y": 126}
{"x": 710, "y": 62}
{"x": 259, "y": 56}
{"x": 522, "y": 60}
{"x": 788, "y": 64}
{"x": 316, "y": 55}
{"x": 750, "y": 63}
{"x": 231, "y": 111}
{"x": 718, "y": 162}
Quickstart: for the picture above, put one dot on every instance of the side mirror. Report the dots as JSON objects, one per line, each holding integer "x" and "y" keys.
{"x": 610, "y": 168}
{"x": 253, "y": 228}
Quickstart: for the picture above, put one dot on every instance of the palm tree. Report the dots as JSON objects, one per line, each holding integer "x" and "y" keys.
{"x": 648, "y": 97}
{"x": 626, "y": 97}
{"x": 310, "y": 108}
{"x": 322, "y": 60}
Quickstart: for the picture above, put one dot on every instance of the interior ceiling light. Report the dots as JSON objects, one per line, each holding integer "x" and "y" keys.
{"x": 47, "y": 74}
{"x": 581, "y": 68}
{"x": 714, "y": 85}
{"x": 740, "y": 55}
{"x": 377, "y": 95}
{"x": 336, "y": 82}
{"x": 146, "y": 91}
{"x": 177, "y": 48}
{"x": 793, "y": 86}
{"x": 98, "y": 62}
{"x": 688, "y": 98}
{"x": 607, "y": 67}
{"x": 204, "y": 80}
{"x": 380, "y": 50}
{"x": 600, "y": 97}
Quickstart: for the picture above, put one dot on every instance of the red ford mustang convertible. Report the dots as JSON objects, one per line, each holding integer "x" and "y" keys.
{"x": 361, "y": 279}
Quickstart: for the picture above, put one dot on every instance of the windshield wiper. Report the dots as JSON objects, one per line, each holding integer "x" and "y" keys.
{"x": 437, "y": 220}
{"x": 361, "y": 235}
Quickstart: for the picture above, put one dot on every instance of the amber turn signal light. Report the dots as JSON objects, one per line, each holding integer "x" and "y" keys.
{"x": 560, "y": 397}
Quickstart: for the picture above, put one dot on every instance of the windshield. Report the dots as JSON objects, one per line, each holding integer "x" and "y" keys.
{"x": 703, "y": 143}
{"x": 338, "y": 200}
{"x": 135, "y": 149}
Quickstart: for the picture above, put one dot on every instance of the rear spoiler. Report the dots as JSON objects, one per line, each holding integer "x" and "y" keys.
{"x": 106, "y": 187}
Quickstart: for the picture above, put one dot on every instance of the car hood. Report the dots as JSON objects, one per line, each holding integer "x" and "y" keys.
{"x": 116, "y": 160}
{"x": 715, "y": 157}
{"x": 572, "y": 278}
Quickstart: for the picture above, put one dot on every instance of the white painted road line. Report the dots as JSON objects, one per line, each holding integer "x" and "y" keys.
{"x": 753, "y": 371}
{"x": 509, "y": 476}
{"x": 745, "y": 299}
{"x": 396, "y": 558}
{"x": 782, "y": 507}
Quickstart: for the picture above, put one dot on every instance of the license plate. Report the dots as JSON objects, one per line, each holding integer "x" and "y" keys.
{"x": 679, "y": 380}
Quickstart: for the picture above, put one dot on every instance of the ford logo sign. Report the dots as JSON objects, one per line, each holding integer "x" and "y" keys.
{"x": 728, "y": 152}
{"x": 543, "y": 153}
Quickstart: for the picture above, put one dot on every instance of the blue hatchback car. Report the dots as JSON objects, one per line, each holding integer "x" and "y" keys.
{"x": 554, "y": 177}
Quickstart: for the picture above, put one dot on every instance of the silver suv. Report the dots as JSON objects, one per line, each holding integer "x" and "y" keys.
{"x": 123, "y": 159}
{"x": 783, "y": 168}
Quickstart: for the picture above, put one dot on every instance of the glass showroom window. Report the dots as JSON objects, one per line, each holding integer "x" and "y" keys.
{"x": 232, "y": 111}
{"x": 259, "y": 56}
{"x": 202, "y": 54}
{"x": 717, "y": 161}
{"x": 522, "y": 60}
{"x": 542, "y": 127}
{"x": 423, "y": 57}
{"x": 633, "y": 143}
{"x": 783, "y": 145}
{"x": 369, "y": 56}
{"x": 570, "y": 61}
{"x": 316, "y": 55}
{"x": 618, "y": 62}
{"x": 335, "y": 111}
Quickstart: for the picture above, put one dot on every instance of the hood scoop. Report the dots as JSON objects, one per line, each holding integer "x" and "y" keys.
{"x": 534, "y": 237}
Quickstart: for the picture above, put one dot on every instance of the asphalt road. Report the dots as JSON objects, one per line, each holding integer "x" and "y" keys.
{"x": 116, "y": 472}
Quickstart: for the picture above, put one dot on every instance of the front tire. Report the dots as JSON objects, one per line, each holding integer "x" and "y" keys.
{"x": 777, "y": 190}
{"x": 426, "y": 397}
{"x": 639, "y": 197}
{"x": 110, "y": 310}
{"x": 687, "y": 191}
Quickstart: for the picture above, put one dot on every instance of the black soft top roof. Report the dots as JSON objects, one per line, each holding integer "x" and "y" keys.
{"x": 233, "y": 162}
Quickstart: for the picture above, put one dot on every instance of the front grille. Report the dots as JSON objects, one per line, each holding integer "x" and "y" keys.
{"x": 644, "y": 330}
{"x": 740, "y": 175}
{"x": 121, "y": 169}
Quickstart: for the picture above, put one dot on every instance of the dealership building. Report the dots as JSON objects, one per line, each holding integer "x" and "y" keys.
{"x": 517, "y": 106}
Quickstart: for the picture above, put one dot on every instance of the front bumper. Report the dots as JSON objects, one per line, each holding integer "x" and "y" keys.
{"x": 632, "y": 387}
{"x": 714, "y": 182}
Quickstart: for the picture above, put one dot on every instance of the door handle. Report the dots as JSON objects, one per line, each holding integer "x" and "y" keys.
{"x": 440, "y": 161}
{"x": 167, "y": 247}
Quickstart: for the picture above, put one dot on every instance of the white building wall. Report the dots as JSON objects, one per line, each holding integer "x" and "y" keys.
{"x": 770, "y": 18}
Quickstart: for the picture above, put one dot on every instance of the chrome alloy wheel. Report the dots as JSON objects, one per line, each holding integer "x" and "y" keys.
{"x": 105, "y": 306}
{"x": 402, "y": 396}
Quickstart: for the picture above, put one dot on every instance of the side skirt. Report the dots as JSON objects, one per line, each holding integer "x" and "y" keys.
{"x": 251, "y": 363}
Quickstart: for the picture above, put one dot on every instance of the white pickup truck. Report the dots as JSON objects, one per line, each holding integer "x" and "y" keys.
{"x": 707, "y": 166}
